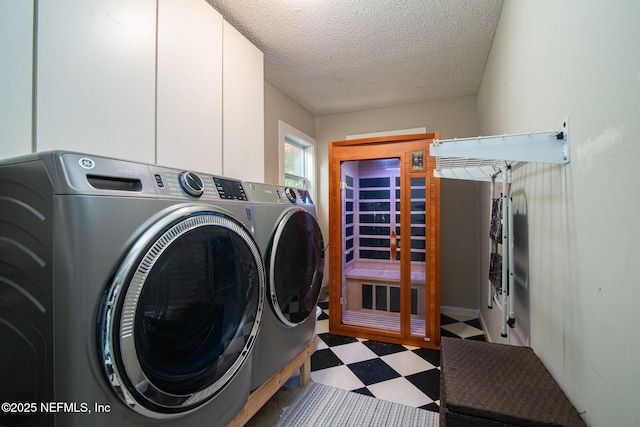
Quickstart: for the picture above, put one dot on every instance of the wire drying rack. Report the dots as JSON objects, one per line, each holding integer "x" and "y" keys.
{"x": 486, "y": 158}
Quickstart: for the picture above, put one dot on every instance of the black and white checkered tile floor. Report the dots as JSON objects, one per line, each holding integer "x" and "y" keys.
{"x": 397, "y": 373}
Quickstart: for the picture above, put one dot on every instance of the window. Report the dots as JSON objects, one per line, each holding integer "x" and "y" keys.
{"x": 297, "y": 159}
{"x": 295, "y": 165}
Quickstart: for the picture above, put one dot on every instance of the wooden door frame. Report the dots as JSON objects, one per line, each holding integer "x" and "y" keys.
{"x": 381, "y": 147}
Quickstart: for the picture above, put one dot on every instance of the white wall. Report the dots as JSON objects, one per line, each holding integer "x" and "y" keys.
{"x": 16, "y": 42}
{"x": 556, "y": 59}
{"x": 277, "y": 106}
{"x": 459, "y": 199}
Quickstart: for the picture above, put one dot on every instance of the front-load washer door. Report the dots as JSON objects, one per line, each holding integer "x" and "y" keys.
{"x": 182, "y": 313}
{"x": 295, "y": 263}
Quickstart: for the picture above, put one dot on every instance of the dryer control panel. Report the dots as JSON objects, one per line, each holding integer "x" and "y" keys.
{"x": 267, "y": 193}
{"x": 294, "y": 195}
{"x": 262, "y": 193}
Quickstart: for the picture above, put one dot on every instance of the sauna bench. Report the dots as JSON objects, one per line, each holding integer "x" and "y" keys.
{"x": 487, "y": 384}
{"x": 383, "y": 275}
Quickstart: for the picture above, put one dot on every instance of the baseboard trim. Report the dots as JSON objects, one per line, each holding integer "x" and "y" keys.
{"x": 487, "y": 335}
{"x": 459, "y": 311}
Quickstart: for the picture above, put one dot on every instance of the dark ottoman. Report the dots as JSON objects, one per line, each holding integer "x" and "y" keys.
{"x": 485, "y": 384}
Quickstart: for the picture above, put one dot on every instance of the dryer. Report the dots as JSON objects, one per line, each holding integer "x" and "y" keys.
{"x": 291, "y": 242}
{"x": 130, "y": 294}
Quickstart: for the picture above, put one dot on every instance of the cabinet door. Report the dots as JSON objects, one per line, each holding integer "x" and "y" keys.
{"x": 16, "y": 55}
{"x": 243, "y": 107}
{"x": 189, "y": 94}
{"x": 96, "y": 77}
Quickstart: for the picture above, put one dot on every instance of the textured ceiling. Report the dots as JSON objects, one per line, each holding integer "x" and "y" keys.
{"x": 336, "y": 56}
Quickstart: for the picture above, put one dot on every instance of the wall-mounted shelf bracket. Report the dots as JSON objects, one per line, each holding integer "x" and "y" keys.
{"x": 482, "y": 157}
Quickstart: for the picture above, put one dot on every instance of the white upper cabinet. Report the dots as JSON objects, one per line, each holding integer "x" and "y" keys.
{"x": 243, "y": 107}
{"x": 96, "y": 77}
{"x": 16, "y": 62}
{"x": 189, "y": 91}
{"x": 155, "y": 81}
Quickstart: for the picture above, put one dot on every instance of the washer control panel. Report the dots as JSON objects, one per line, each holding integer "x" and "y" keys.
{"x": 191, "y": 183}
{"x": 229, "y": 189}
{"x": 197, "y": 185}
{"x": 90, "y": 174}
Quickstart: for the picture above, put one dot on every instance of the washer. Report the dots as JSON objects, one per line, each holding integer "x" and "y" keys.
{"x": 130, "y": 294}
{"x": 291, "y": 241}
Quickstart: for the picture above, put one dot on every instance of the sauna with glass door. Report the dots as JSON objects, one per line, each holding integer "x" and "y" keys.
{"x": 384, "y": 240}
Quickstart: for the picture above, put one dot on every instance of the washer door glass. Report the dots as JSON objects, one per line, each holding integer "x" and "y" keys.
{"x": 296, "y": 266}
{"x": 182, "y": 313}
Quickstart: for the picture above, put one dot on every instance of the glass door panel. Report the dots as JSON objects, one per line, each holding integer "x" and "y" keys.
{"x": 370, "y": 257}
{"x": 417, "y": 247}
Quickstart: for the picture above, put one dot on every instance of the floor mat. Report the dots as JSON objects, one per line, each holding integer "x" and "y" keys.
{"x": 321, "y": 405}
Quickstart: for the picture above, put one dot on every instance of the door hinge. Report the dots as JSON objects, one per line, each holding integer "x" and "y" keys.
{"x": 343, "y": 185}
{"x": 343, "y": 300}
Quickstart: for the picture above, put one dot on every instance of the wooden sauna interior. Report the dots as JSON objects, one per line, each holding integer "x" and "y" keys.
{"x": 384, "y": 231}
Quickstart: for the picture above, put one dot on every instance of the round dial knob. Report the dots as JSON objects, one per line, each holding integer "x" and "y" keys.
{"x": 291, "y": 194}
{"x": 191, "y": 183}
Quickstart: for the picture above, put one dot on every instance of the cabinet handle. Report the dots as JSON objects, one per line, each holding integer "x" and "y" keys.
{"x": 394, "y": 247}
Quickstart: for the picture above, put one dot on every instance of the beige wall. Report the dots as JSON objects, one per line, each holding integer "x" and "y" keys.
{"x": 459, "y": 199}
{"x": 552, "y": 60}
{"x": 278, "y": 106}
